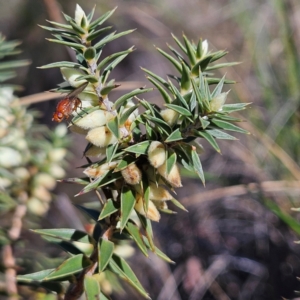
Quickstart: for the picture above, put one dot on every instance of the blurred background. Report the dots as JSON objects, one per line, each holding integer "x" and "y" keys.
{"x": 238, "y": 239}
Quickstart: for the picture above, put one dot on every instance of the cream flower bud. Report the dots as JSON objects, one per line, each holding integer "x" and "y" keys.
{"x": 156, "y": 154}
{"x": 37, "y": 207}
{"x": 132, "y": 174}
{"x": 95, "y": 151}
{"x": 10, "y": 157}
{"x": 22, "y": 173}
{"x": 41, "y": 193}
{"x": 94, "y": 119}
{"x": 152, "y": 212}
{"x": 101, "y": 137}
{"x": 96, "y": 171}
{"x": 158, "y": 193}
{"x": 79, "y": 14}
{"x": 170, "y": 116}
{"x": 56, "y": 171}
{"x": 57, "y": 154}
{"x": 173, "y": 177}
{"x": 79, "y": 130}
{"x": 4, "y": 183}
{"x": 45, "y": 180}
{"x": 204, "y": 48}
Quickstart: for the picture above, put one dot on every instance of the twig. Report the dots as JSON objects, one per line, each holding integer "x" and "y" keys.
{"x": 8, "y": 256}
{"x": 10, "y": 273}
{"x": 46, "y": 96}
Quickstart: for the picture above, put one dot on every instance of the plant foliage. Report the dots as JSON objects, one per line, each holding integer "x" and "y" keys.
{"x": 137, "y": 154}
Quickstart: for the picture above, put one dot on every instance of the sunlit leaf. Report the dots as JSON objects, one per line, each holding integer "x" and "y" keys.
{"x": 67, "y": 234}
{"x": 140, "y": 148}
{"x": 109, "y": 208}
{"x": 228, "y": 126}
{"x": 197, "y": 165}
{"x": 210, "y": 139}
{"x": 70, "y": 266}
{"x": 120, "y": 101}
{"x": 119, "y": 266}
{"x": 106, "y": 249}
{"x": 137, "y": 236}
{"x": 33, "y": 277}
{"x": 220, "y": 134}
{"x": 127, "y": 205}
{"x": 183, "y": 111}
{"x": 91, "y": 288}
{"x": 174, "y": 136}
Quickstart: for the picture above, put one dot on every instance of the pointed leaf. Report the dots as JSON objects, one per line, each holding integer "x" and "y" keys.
{"x": 137, "y": 236}
{"x": 146, "y": 192}
{"x": 211, "y": 80}
{"x": 146, "y": 224}
{"x": 120, "y": 101}
{"x": 176, "y": 64}
{"x": 111, "y": 38}
{"x": 228, "y": 126}
{"x": 234, "y": 107}
{"x": 34, "y": 277}
{"x": 91, "y": 287}
{"x": 162, "y": 91}
{"x": 156, "y": 77}
{"x": 179, "y": 97}
{"x": 224, "y": 65}
{"x": 125, "y": 162}
{"x": 220, "y": 134}
{"x": 65, "y": 26}
{"x": 63, "y": 64}
{"x": 140, "y": 148}
{"x": 96, "y": 33}
{"x": 113, "y": 126}
{"x": 204, "y": 122}
{"x": 197, "y": 166}
{"x": 71, "y": 266}
{"x": 107, "y": 59}
{"x": 66, "y": 234}
{"x": 127, "y": 204}
{"x": 124, "y": 117}
{"x": 201, "y": 65}
{"x": 69, "y": 44}
{"x": 105, "y": 179}
{"x": 178, "y": 204}
{"x": 178, "y": 43}
{"x": 174, "y": 136}
{"x": 190, "y": 51}
{"x": 119, "y": 266}
{"x": 106, "y": 249}
{"x": 111, "y": 151}
{"x": 158, "y": 252}
{"x": 210, "y": 139}
{"x": 185, "y": 83}
{"x": 181, "y": 110}
{"x": 109, "y": 208}
{"x": 160, "y": 124}
{"x": 101, "y": 19}
{"x": 171, "y": 161}
{"x": 14, "y": 64}
{"x": 218, "y": 89}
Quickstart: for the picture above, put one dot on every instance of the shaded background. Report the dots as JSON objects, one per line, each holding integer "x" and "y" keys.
{"x": 237, "y": 241}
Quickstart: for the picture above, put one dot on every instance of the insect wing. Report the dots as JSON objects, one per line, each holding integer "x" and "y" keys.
{"x": 77, "y": 91}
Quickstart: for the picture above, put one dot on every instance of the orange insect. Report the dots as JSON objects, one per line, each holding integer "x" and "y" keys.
{"x": 67, "y": 105}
